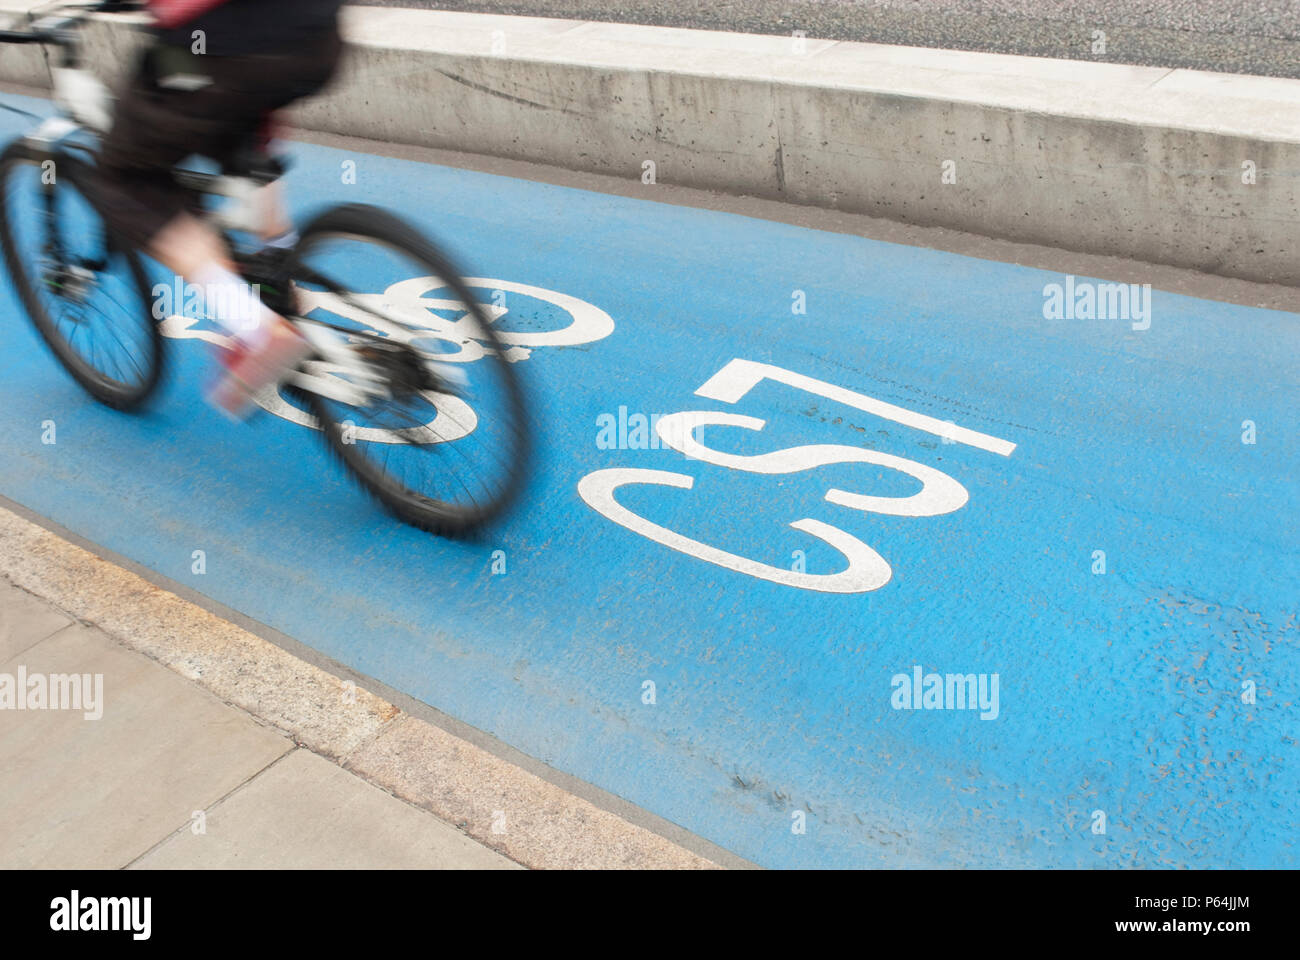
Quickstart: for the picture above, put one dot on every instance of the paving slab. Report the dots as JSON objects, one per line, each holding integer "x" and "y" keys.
{"x": 85, "y": 793}
{"x": 25, "y": 620}
{"x": 307, "y": 813}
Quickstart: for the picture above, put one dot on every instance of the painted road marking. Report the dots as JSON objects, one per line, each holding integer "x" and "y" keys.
{"x": 867, "y": 570}
{"x": 1127, "y": 572}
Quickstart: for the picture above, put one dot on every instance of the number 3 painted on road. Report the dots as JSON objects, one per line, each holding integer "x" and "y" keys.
{"x": 866, "y": 569}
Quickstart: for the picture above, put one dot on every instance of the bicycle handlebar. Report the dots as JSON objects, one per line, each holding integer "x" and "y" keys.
{"x": 55, "y": 28}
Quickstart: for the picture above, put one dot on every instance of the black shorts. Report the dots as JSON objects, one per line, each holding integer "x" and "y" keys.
{"x": 164, "y": 115}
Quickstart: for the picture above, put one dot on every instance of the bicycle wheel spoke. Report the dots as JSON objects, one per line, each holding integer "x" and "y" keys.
{"x": 112, "y": 329}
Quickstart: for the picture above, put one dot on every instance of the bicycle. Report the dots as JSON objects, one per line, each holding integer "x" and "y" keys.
{"x": 386, "y": 381}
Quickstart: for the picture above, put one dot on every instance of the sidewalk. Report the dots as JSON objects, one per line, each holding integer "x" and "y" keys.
{"x": 217, "y": 749}
{"x": 172, "y": 777}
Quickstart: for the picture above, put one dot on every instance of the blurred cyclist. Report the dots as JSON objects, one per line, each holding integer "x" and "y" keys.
{"x": 208, "y": 85}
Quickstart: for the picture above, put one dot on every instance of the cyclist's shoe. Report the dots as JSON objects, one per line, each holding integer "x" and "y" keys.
{"x": 249, "y": 369}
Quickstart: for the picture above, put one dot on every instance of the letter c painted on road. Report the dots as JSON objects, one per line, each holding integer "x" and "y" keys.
{"x": 866, "y": 570}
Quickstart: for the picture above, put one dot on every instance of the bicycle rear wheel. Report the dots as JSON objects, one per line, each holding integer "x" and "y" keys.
{"x": 86, "y": 294}
{"x": 447, "y": 449}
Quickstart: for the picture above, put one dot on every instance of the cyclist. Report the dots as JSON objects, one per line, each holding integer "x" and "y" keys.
{"x": 208, "y": 84}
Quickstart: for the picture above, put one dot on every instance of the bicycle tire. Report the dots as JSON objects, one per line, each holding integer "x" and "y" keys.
{"x": 441, "y": 517}
{"x": 112, "y": 392}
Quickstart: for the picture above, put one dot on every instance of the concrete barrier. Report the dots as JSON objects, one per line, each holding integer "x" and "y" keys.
{"x": 1189, "y": 168}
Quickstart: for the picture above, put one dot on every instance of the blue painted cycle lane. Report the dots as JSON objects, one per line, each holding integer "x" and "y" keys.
{"x": 1126, "y": 571}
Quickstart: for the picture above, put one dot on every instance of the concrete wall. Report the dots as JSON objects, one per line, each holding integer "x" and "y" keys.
{"x": 1140, "y": 162}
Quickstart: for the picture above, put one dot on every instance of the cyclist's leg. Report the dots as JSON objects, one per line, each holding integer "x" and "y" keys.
{"x": 158, "y": 123}
{"x": 156, "y": 127}
{"x": 280, "y": 80}
{"x": 144, "y": 203}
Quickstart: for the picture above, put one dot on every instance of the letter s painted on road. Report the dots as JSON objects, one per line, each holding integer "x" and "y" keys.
{"x": 939, "y": 492}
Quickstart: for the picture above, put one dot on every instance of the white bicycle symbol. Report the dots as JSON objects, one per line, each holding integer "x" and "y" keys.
{"x": 415, "y": 321}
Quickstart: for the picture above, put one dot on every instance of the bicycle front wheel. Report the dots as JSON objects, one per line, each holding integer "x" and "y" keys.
{"x": 86, "y": 294}
{"x": 446, "y": 445}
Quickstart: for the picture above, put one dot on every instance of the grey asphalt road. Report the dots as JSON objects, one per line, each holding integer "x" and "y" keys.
{"x": 1233, "y": 36}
